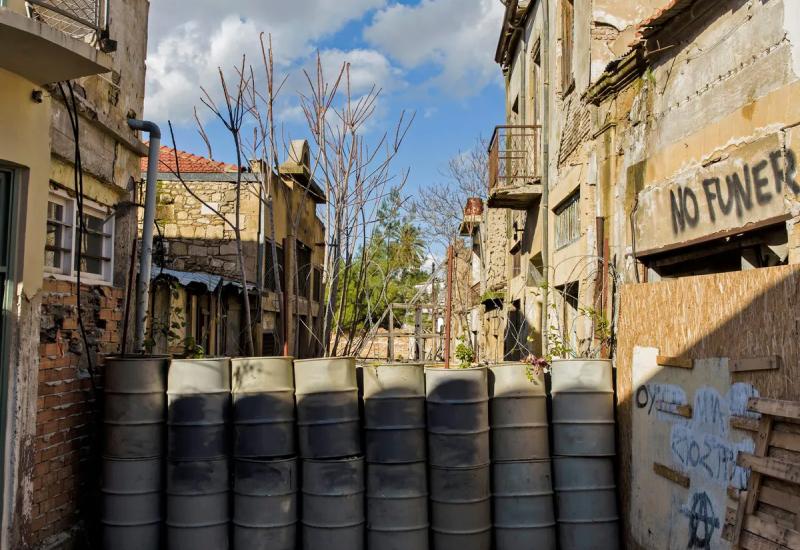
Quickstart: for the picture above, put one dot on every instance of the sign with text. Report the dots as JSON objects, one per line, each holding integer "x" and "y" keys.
{"x": 746, "y": 187}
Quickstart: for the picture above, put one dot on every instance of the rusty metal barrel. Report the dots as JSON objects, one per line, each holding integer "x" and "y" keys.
{"x": 132, "y": 511}
{"x": 397, "y": 488}
{"x": 197, "y": 505}
{"x": 265, "y": 504}
{"x": 135, "y": 406}
{"x": 263, "y": 407}
{"x": 522, "y": 497}
{"x": 198, "y": 392}
{"x": 134, "y": 422}
{"x": 522, "y": 491}
{"x": 583, "y": 407}
{"x": 583, "y": 434}
{"x": 333, "y": 504}
{"x": 518, "y": 413}
{"x": 461, "y": 508}
{"x": 326, "y": 391}
{"x": 394, "y": 413}
{"x": 397, "y": 506}
{"x": 457, "y": 403}
{"x": 587, "y": 503}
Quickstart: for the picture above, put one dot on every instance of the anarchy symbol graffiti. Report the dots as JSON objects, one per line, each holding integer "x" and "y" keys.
{"x": 702, "y": 521}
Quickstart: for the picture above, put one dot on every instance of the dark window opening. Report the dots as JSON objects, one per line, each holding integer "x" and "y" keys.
{"x": 273, "y": 271}
{"x": 567, "y": 42}
{"x": 752, "y": 250}
{"x": 303, "y": 270}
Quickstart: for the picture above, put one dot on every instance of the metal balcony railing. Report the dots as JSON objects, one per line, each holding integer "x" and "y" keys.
{"x": 85, "y": 20}
{"x": 514, "y": 156}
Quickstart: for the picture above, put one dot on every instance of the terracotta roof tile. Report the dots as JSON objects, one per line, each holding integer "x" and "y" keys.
{"x": 189, "y": 163}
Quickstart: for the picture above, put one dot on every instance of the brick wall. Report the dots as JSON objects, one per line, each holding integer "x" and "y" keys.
{"x": 66, "y": 475}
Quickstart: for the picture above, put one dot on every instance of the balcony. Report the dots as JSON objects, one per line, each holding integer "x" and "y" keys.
{"x": 515, "y": 167}
{"x": 47, "y": 41}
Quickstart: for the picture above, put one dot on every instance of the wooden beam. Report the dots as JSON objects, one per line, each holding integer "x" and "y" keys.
{"x": 775, "y": 407}
{"x": 779, "y": 499}
{"x": 672, "y": 475}
{"x": 762, "y": 446}
{"x": 773, "y": 532}
{"x": 747, "y": 364}
{"x": 738, "y": 523}
{"x": 785, "y": 440}
{"x": 744, "y": 423}
{"x": 749, "y": 541}
{"x": 674, "y": 408}
{"x": 786, "y": 471}
{"x": 679, "y": 362}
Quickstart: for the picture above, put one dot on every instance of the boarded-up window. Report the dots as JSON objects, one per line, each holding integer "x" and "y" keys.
{"x": 567, "y": 42}
{"x": 317, "y": 285}
{"x": 516, "y": 262}
{"x": 273, "y": 272}
{"x": 568, "y": 227}
{"x": 303, "y": 270}
{"x": 536, "y": 96}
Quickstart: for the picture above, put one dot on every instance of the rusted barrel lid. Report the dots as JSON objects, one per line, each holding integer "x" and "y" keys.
{"x": 474, "y": 207}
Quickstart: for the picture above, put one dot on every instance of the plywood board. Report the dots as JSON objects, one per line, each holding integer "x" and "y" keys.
{"x": 752, "y": 313}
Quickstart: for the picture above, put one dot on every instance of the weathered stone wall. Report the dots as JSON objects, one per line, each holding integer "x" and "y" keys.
{"x": 197, "y": 238}
{"x": 495, "y": 246}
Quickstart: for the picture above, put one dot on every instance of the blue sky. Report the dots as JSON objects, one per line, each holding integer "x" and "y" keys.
{"x": 433, "y": 57}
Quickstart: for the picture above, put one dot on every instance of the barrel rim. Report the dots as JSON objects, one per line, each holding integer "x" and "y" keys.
{"x": 455, "y": 369}
{"x": 243, "y": 359}
{"x": 409, "y": 529}
{"x": 317, "y": 359}
{"x": 347, "y": 420}
{"x": 305, "y": 523}
{"x": 268, "y": 461}
{"x": 348, "y": 389}
{"x": 459, "y": 532}
{"x": 245, "y": 525}
{"x": 111, "y": 523}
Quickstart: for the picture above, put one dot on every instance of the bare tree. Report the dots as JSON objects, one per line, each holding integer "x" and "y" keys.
{"x": 356, "y": 171}
{"x": 231, "y": 115}
{"x": 439, "y": 207}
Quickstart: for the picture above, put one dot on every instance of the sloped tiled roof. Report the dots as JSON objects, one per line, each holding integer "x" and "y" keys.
{"x": 189, "y": 163}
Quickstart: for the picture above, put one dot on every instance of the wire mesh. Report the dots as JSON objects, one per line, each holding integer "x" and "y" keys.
{"x": 79, "y": 19}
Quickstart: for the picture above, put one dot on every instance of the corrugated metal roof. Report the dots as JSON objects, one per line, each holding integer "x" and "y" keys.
{"x": 185, "y": 278}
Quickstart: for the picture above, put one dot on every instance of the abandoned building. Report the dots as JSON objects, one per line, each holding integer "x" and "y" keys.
{"x": 70, "y": 79}
{"x": 643, "y": 189}
{"x": 197, "y": 301}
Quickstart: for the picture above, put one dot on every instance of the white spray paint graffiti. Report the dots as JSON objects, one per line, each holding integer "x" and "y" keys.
{"x": 702, "y": 445}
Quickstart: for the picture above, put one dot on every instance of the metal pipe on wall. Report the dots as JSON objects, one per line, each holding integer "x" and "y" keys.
{"x": 146, "y": 257}
{"x": 545, "y": 202}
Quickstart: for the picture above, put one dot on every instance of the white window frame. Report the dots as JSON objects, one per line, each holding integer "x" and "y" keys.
{"x": 67, "y": 269}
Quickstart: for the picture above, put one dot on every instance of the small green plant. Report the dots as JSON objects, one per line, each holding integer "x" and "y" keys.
{"x": 535, "y": 366}
{"x": 464, "y": 353}
{"x": 491, "y": 296}
{"x": 173, "y": 329}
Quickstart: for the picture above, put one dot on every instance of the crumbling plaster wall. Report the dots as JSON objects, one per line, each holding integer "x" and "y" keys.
{"x": 197, "y": 239}
{"x": 717, "y": 100}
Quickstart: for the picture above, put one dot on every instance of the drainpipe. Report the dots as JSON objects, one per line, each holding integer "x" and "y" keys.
{"x": 545, "y": 202}
{"x": 146, "y": 257}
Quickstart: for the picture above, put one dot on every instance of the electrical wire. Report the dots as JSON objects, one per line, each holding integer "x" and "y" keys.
{"x": 93, "y": 439}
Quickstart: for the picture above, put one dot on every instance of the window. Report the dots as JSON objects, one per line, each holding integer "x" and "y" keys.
{"x": 317, "y": 285}
{"x": 536, "y": 71}
{"x": 567, "y": 41}
{"x": 516, "y": 262}
{"x": 63, "y": 232}
{"x": 568, "y": 227}
{"x": 274, "y": 273}
{"x": 303, "y": 269}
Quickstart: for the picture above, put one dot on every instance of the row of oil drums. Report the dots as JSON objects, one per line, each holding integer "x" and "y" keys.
{"x": 432, "y": 473}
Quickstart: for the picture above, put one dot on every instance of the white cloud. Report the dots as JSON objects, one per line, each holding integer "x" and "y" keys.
{"x": 189, "y": 40}
{"x": 456, "y": 36}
